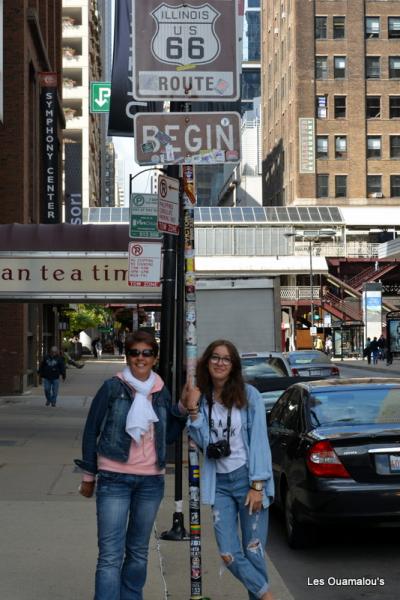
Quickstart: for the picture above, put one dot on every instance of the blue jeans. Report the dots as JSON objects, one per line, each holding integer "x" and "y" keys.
{"x": 51, "y": 389}
{"x": 127, "y": 506}
{"x": 247, "y": 558}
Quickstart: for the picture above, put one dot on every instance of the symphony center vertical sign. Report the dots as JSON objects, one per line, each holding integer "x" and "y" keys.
{"x": 48, "y": 107}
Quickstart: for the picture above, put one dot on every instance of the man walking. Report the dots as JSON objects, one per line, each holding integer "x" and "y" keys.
{"x": 51, "y": 368}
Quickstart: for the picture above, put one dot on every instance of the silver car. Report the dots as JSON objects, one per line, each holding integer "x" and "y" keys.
{"x": 311, "y": 363}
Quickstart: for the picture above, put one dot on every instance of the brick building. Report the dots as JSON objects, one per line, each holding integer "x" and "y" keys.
{"x": 31, "y": 44}
{"x": 331, "y": 102}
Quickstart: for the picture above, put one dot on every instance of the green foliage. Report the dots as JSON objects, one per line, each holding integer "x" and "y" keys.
{"x": 87, "y": 315}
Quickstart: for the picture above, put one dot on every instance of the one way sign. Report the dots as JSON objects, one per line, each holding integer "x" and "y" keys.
{"x": 100, "y": 93}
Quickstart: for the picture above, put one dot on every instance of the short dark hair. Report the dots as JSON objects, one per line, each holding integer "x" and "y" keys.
{"x": 233, "y": 393}
{"x": 144, "y": 337}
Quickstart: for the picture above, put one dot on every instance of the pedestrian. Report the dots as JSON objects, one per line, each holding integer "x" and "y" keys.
{"x": 328, "y": 345}
{"x": 374, "y": 350}
{"x": 227, "y": 421}
{"x": 94, "y": 347}
{"x": 130, "y": 421}
{"x": 318, "y": 344}
{"x": 50, "y": 370}
{"x": 367, "y": 350}
{"x": 382, "y": 347}
{"x": 99, "y": 348}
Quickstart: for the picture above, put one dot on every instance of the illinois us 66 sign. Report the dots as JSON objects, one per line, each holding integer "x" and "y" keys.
{"x": 185, "y": 50}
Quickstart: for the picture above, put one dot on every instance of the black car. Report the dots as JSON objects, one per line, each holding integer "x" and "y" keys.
{"x": 335, "y": 447}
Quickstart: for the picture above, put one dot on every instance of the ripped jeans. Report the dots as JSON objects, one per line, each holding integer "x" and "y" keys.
{"x": 244, "y": 557}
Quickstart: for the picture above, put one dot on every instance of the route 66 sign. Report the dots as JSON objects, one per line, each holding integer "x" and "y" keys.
{"x": 192, "y": 50}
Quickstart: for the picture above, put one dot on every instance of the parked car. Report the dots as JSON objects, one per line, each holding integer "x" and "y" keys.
{"x": 335, "y": 447}
{"x": 271, "y": 388}
{"x": 311, "y": 363}
{"x": 261, "y": 365}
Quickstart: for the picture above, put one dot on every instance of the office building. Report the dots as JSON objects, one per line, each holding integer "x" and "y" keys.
{"x": 331, "y": 102}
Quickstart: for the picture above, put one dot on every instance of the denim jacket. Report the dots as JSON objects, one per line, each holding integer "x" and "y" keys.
{"x": 255, "y": 439}
{"x": 105, "y": 433}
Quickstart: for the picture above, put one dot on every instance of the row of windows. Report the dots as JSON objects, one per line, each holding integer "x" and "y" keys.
{"x": 372, "y": 67}
{"x": 374, "y": 146}
{"x": 374, "y": 186}
{"x": 372, "y": 27}
{"x": 373, "y": 109}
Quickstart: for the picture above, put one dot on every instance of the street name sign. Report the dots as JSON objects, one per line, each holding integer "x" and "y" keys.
{"x": 144, "y": 264}
{"x": 168, "y": 205}
{"x": 100, "y": 94}
{"x": 143, "y": 209}
{"x": 185, "y": 50}
{"x": 192, "y": 138}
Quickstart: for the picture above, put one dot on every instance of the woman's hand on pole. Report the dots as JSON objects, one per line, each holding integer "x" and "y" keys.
{"x": 254, "y": 501}
{"x": 190, "y": 396}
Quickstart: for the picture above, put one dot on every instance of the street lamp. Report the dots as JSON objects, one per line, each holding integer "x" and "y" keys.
{"x": 312, "y": 235}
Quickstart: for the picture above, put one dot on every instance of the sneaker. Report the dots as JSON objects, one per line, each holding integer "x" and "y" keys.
{"x": 47, "y": 403}
{"x": 53, "y": 404}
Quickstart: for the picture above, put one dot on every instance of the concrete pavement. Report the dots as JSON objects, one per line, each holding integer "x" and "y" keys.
{"x": 48, "y": 531}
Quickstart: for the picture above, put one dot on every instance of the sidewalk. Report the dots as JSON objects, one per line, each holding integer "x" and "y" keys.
{"x": 48, "y": 531}
{"x": 359, "y": 363}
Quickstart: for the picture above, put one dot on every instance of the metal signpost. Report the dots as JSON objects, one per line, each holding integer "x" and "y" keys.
{"x": 196, "y": 138}
{"x": 143, "y": 209}
{"x": 100, "y": 94}
{"x": 191, "y": 56}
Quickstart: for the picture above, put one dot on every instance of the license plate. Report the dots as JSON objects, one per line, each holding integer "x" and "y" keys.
{"x": 394, "y": 463}
{"x": 315, "y": 372}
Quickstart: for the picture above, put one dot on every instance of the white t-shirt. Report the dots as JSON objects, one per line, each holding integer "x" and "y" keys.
{"x": 219, "y": 431}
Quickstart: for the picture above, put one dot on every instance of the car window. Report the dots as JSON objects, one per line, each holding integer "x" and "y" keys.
{"x": 278, "y": 364}
{"x": 276, "y": 412}
{"x": 290, "y": 412}
{"x": 308, "y": 358}
{"x": 257, "y": 367}
{"x": 354, "y": 407}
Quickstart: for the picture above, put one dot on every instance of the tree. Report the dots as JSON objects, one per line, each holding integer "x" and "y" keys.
{"x": 86, "y": 316}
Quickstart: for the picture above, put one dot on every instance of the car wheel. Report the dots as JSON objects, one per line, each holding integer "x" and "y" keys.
{"x": 299, "y": 535}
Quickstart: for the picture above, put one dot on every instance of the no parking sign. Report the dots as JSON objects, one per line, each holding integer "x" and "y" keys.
{"x": 144, "y": 264}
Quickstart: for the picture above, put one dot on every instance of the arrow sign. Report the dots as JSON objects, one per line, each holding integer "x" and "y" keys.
{"x": 100, "y": 94}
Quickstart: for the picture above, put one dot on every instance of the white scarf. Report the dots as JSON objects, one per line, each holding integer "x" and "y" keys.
{"x": 141, "y": 414}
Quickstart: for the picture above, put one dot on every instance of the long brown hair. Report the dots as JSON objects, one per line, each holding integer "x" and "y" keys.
{"x": 233, "y": 393}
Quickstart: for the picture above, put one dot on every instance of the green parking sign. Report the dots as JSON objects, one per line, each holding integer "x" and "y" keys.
{"x": 100, "y": 94}
{"x": 143, "y": 210}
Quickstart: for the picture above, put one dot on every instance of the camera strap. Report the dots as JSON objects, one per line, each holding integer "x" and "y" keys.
{"x": 228, "y": 420}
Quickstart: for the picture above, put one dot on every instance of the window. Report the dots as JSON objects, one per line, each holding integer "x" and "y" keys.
{"x": 394, "y": 67}
{"x": 394, "y": 107}
{"x": 322, "y": 107}
{"x": 340, "y": 146}
{"x": 320, "y": 28}
{"x": 340, "y": 107}
{"x": 322, "y": 146}
{"x": 374, "y": 186}
{"x": 374, "y": 146}
{"x": 322, "y": 186}
{"x": 394, "y": 27}
{"x": 373, "y": 107}
{"x": 339, "y": 28}
{"x": 321, "y": 67}
{"x": 372, "y": 27}
{"x": 340, "y": 186}
{"x": 395, "y": 185}
{"x": 395, "y": 146}
{"x": 339, "y": 69}
{"x": 373, "y": 67}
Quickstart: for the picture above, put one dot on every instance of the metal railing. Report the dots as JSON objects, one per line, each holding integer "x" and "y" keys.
{"x": 350, "y": 250}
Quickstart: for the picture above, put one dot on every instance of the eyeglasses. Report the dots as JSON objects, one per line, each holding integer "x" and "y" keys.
{"x": 215, "y": 359}
{"x": 147, "y": 353}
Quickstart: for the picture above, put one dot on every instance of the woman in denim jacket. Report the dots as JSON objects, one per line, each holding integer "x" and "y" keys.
{"x": 130, "y": 421}
{"x": 236, "y": 475}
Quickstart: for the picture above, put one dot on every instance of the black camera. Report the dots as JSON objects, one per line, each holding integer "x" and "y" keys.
{"x": 220, "y": 449}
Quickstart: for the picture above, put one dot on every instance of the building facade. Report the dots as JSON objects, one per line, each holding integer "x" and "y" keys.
{"x": 31, "y": 40}
{"x": 331, "y": 102}
{"x": 81, "y": 63}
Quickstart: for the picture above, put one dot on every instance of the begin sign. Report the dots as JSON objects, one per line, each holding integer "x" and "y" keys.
{"x": 198, "y": 138}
